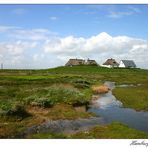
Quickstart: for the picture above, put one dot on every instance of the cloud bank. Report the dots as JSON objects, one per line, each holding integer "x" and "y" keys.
{"x": 100, "y": 47}
{"x": 40, "y": 48}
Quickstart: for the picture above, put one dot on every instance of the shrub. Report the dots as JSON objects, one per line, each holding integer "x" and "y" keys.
{"x": 80, "y": 83}
{"x": 64, "y": 94}
{"x": 43, "y": 102}
{"x": 58, "y": 94}
{"x": 30, "y": 99}
{"x": 18, "y": 111}
{"x": 76, "y": 98}
{"x": 5, "y": 106}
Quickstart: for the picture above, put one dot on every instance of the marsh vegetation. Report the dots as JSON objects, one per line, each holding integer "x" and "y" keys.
{"x": 31, "y": 97}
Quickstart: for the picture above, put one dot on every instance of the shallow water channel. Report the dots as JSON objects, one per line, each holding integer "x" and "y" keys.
{"x": 108, "y": 107}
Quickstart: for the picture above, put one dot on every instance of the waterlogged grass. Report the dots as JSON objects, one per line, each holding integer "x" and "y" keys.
{"x": 57, "y": 112}
{"x": 60, "y": 93}
{"x": 44, "y": 94}
{"x": 112, "y": 131}
{"x": 11, "y": 126}
{"x": 53, "y": 94}
{"x": 62, "y": 111}
{"x": 47, "y": 136}
{"x": 133, "y": 97}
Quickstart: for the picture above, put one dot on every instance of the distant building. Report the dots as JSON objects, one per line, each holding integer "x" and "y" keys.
{"x": 91, "y": 62}
{"x": 74, "y": 62}
{"x": 127, "y": 64}
{"x": 110, "y": 63}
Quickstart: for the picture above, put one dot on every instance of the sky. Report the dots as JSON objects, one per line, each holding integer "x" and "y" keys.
{"x": 45, "y": 36}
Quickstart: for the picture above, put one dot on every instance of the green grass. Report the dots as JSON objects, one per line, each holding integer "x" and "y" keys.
{"x": 53, "y": 93}
{"x": 62, "y": 111}
{"x": 10, "y": 126}
{"x": 112, "y": 131}
{"x": 44, "y": 95}
{"x": 119, "y": 75}
{"x": 133, "y": 97}
{"x": 47, "y": 136}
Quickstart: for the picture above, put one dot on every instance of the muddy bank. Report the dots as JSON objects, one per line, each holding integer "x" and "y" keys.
{"x": 63, "y": 126}
{"x": 68, "y": 126}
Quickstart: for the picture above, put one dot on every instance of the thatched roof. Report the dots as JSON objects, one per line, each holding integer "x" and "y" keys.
{"x": 73, "y": 62}
{"x": 91, "y": 62}
{"x": 111, "y": 62}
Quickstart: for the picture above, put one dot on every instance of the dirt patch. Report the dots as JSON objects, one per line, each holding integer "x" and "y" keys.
{"x": 80, "y": 108}
{"x": 94, "y": 98}
{"x": 60, "y": 111}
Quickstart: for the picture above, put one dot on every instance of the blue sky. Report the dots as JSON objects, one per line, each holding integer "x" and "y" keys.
{"x": 42, "y": 36}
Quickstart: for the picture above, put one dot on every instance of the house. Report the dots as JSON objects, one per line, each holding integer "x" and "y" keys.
{"x": 127, "y": 64}
{"x": 110, "y": 63}
{"x": 91, "y": 62}
{"x": 73, "y": 62}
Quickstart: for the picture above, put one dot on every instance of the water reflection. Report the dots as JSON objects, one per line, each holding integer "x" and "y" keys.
{"x": 108, "y": 107}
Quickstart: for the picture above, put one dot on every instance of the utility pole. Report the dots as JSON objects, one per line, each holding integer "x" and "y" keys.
{"x": 1, "y": 65}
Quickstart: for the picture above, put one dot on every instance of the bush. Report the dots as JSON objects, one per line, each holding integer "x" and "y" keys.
{"x": 76, "y": 98}
{"x": 43, "y": 102}
{"x": 64, "y": 94}
{"x": 5, "y": 106}
{"x": 58, "y": 94}
{"x": 80, "y": 83}
{"x": 18, "y": 111}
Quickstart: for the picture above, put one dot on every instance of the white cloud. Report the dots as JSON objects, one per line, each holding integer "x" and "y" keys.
{"x": 8, "y": 28}
{"x": 64, "y": 45}
{"x": 31, "y": 34}
{"x": 135, "y": 9}
{"x": 16, "y": 48}
{"x": 119, "y": 14}
{"x": 38, "y": 57}
{"x": 53, "y": 18}
{"x": 40, "y": 48}
{"x": 20, "y": 11}
{"x": 15, "y": 54}
{"x": 19, "y": 33}
{"x": 128, "y": 12}
{"x": 99, "y": 47}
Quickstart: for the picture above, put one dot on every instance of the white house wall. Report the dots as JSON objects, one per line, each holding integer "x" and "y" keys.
{"x": 121, "y": 64}
{"x": 108, "y": 66}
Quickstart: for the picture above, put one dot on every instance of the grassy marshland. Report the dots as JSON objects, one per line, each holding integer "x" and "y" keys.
{"x": 30, "y": 97}
{"x": 113, "y": 131}
{"x": 133, "y": 97}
